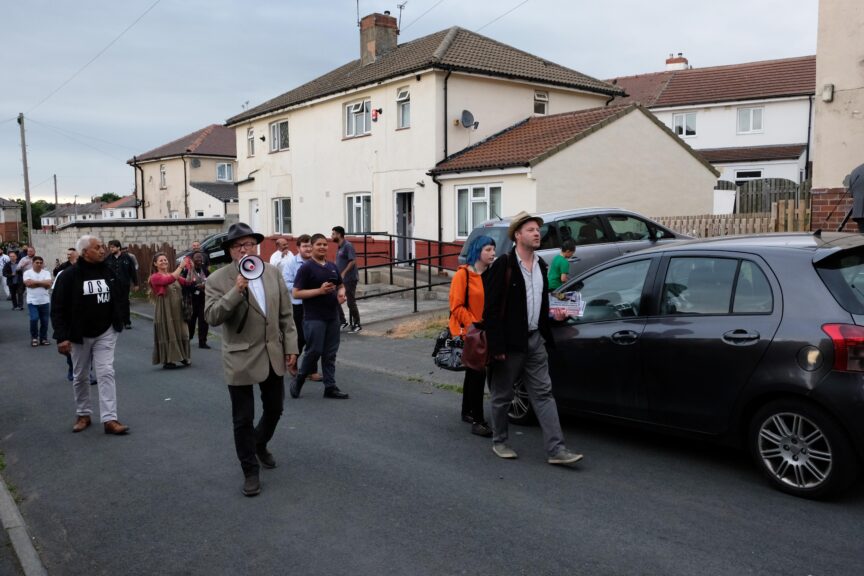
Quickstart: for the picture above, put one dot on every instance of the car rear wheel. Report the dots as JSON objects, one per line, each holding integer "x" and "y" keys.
{"x": 801, "y": 449}
{"x": 520, "y": 411}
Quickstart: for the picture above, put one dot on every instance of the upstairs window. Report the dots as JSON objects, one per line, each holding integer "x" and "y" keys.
{"x": 403, "y": 108}
{"x": 749, "y": 120}
{"x": 162, "y": 177}
{"x": 279, "y": 136}
{"x": 250, "y": 142}
{"x": 541, "y": 102}
{"x": 358, "y": 118}
{"x": 684, "y": 125}
{"x": 225, "y": 172}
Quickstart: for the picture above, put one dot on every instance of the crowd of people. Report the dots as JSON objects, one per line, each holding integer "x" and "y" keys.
{"x": 290, "y": 309}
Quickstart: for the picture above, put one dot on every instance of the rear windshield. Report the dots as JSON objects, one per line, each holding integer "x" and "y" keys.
{"x": 497, "y": 233}
{"x": 843, "y": 274}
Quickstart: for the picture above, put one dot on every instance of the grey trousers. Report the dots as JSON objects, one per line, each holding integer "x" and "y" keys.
{"x": 533, "y": 367}
{"x": 102, "y": 349}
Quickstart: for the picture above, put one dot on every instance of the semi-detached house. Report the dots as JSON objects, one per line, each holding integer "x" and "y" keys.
{"x": 355, "y": 146}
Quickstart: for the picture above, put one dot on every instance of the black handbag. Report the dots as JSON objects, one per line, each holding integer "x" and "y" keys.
{"x": 448, "y": 348}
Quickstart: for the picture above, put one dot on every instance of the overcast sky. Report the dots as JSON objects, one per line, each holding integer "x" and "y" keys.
{"x": 190, "y": 63}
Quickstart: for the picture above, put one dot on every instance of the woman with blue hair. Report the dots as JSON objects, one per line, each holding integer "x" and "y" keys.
{"x": 466, "y": 307}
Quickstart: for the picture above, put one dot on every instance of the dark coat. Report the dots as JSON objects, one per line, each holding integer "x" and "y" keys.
{"x": 507, "y": 331}
{"x": 856, "y": 189}
{"x": 67, "y": 318}
{"x": 123, "y": 268}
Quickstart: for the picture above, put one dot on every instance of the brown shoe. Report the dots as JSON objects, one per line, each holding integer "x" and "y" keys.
{"x": 81, "y": 423}
{"x": 315, "y": 377}
{"x": 114, "y": 427}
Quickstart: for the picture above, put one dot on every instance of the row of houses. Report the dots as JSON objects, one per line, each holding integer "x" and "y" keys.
{"x": 430, "y": 137}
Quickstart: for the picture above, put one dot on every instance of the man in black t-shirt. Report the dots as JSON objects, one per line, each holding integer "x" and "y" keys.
{"x": 319, "y": 285}
{"x": 86, "y": 319}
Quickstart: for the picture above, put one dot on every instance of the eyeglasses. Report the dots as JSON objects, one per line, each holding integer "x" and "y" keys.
{"x": 246, "y": 245}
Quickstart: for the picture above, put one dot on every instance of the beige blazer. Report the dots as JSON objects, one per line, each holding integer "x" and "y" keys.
{"x": 264, "y": 341}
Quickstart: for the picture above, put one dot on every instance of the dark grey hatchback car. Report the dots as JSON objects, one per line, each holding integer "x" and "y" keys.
{"x": 754, "y": 341}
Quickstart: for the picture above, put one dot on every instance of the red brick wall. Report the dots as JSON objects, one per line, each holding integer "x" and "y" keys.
{"x": 834, "y": 202}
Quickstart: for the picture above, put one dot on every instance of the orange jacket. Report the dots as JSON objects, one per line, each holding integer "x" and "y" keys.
{"x": 461, "y": 317}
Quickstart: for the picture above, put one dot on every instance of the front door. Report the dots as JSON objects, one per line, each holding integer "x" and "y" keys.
{"x": 404, "y": 225}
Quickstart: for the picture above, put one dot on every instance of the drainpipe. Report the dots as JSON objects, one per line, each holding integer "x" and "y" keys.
{"x": 809, "y": 128}
{"x": 137, "y": 167}
{"x": 185, "y": 185}
{"x": 440, "y": 218}
{"x": 446, "y": 129}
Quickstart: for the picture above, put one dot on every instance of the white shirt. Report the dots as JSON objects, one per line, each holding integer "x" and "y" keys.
{"x": 533, "y": 290}
{"x": 37, "y": 295}
{"x": 256, "y": 287}
{"x": 276, "y": 259}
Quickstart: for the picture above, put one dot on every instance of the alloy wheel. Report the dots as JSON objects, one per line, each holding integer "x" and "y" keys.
{"x": 795, "y": 450}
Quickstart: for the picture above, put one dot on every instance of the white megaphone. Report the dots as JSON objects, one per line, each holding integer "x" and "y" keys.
{"x": 251, "y": 267}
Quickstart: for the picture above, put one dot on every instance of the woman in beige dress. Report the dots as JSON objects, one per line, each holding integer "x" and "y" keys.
{"x": 170, "y": 332}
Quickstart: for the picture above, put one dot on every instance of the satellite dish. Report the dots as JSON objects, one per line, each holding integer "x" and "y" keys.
{"x": 468, "y": 119}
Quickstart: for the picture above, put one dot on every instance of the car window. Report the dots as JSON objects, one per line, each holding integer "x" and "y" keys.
{"x": 628, "y": 228}
{"x": 701, "y": 285}
{"x": 611, "y": 293}
{"x": 582, "y": 230}
{"x": 549, "y": 236}
{"x": 843, "y": 274}
{"x": 752, "y": 291}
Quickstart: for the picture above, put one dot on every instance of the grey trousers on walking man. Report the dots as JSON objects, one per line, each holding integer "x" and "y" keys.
{"x": 534, "y": 368}
{"x": 102, "y": 349}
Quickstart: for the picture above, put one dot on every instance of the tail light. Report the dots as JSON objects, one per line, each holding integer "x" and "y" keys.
{"x": 848, "y": 340}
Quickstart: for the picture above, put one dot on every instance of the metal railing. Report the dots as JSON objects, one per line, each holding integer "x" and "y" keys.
{"x": 392, "y": 261}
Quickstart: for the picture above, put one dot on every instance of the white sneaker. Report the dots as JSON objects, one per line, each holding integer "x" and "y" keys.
{"x": 504, "y": 451}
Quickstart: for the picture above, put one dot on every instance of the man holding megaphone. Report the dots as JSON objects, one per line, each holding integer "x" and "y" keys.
{"x": 259, "y": 344}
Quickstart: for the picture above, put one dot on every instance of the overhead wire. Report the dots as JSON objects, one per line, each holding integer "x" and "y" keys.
{"x": 61, "y": 133}
{"x": 501, "y": 16}
{"x": 58, "y": 129}
{"x": 105, "y": 49}
{"x": 422, "y": 15}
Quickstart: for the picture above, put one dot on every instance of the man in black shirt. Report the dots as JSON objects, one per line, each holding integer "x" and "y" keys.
{"x": 127, "y": 277}
{"x": 86, "y": 319}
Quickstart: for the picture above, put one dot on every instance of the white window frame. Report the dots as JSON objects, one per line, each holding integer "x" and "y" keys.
{"x": 225, "y": 172}
{"x": 358, "y": 213}
{"x": 250, "y": 141}
{"x": 354, "y": 111}
{"x": 465, "y": 223}
{"x": 742, "y": 179}
{"x": 162, "y": 177}
{"x": 750, "y": 115}
{"x": 679, "y": 124}
{"x": 403, "y": 108}
{"x": 281, "y": 222}
{"x": 541, "y": 99}
{"x": 276, "y": 134}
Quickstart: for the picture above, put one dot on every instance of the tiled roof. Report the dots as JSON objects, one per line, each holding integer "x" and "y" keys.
{"x": 453, "y": 49}
{"x": 4, "y": 203}
{"x": 214, "y": 140}
{"x": 753, "y": 153}
{"x": 223, "y": 191}
{"x": 736, "y": 82}
{"x": 124, "y": 202}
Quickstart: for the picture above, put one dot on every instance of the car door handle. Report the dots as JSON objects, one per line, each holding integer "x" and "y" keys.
{"x": 625, "y": 337}
{"x": 740, "y": 336}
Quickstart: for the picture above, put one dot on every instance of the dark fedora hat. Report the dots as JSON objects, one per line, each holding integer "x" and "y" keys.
{"x": 519, "y": 220}
{"x": 240, "y": 230}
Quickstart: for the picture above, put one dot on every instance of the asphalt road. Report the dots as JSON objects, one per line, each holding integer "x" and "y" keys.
{"x": 389, "y": 482}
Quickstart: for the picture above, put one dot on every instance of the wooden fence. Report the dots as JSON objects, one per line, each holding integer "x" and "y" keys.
{"x": 783, "y": 217}
{"x": 758, "y": 196}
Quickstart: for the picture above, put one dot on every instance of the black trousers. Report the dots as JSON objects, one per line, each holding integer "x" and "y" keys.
{"x": 350, "y": 300}
{"x": 248, "y": 439}
{"x": 198, "y": 318}
{"x": 472, "y": 394}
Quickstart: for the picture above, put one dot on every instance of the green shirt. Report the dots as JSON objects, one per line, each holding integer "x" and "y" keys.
{"x": 559, "y": 266}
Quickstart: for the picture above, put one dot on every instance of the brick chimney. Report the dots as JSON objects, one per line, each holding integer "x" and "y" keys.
{"x": 678, "y": 62}
{"x": 378, "y": 34}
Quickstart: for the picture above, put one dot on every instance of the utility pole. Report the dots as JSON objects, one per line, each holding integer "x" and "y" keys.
{"x": 55, "y": 191}
{"x": 26, "y": 181}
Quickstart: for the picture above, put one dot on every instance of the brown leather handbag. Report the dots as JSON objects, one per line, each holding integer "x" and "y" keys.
{"x": 475, "y": 349}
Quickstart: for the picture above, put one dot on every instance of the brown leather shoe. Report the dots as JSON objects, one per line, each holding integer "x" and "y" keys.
{"x": 114, "y": 427}
{"x": 81, "y": 423}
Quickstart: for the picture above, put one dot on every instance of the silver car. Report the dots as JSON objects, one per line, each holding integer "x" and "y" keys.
{"x": 600, "y": 234}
